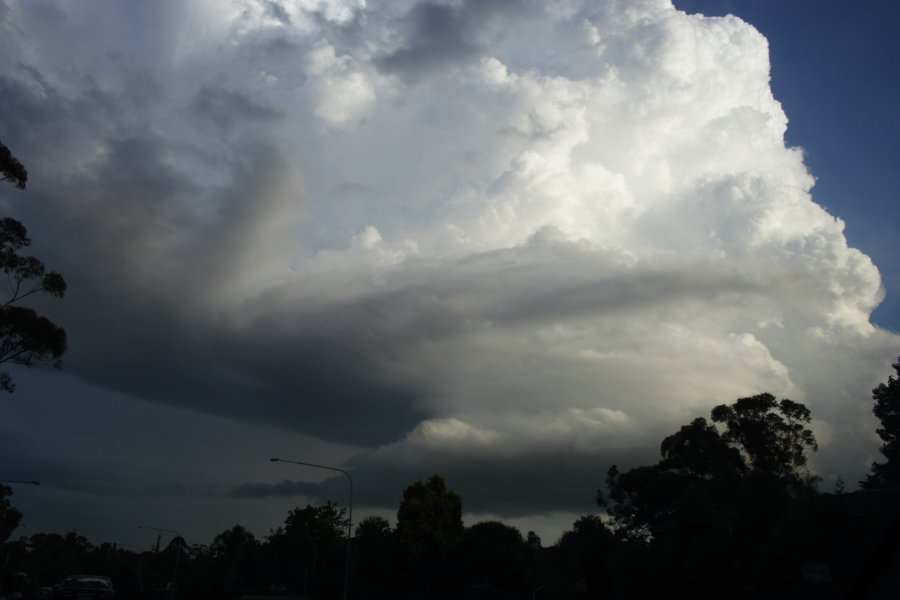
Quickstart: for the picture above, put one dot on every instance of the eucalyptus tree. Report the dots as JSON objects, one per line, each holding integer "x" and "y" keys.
{"x": 886, "y": 475}
{"x": 26, "y": 337}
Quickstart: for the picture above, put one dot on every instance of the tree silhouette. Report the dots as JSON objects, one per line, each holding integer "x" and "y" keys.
{"x": 235, "y": 550}
{"x": 373, "y": 554}
{"x": 493, "y": 561}
{"x": 772, "y": 436}
{"x": 713, "y": 505}
{"x": 584, "y": 555}
{"x": 887, "y": 409}
{"x": 429, "y": 523}
{"x": 25, "y": 336}
{"x": 762, "y": 438}
{"x": 11, "y": 169}
{"x": 429, "y": 514}
{"x": 309, "y": 548}
{"x": 9, "y": 516}
{"x": 698, "y": 450}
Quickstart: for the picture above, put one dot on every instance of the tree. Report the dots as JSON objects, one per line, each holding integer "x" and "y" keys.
{"x": 698, "y": 450}
{"x": 771, "y": 436}
{"x": 429, "y": 523}
{"x": 235, "y": 550}
{"x": 25, "y": 336}
{"x": 714, "y": 502}
{"x": 429, "y": 514}
{"x": 762, "y": 438}
{"x": 493, "y": 561}
{"x": 887, "y": 409}
{"x": 373, "y": 556}
{"x": 53, "y": 556}
{"x": 12, "y": 170}
{"x": 696, "y": 461}
{"x": 9, "y": 516}
{"x": 325, "y": 523}
{"x": 641, "y": 500}
{"x": 309, "y": 550}
{"x": 373, "y": 528}
{"x": 584, "y": 554}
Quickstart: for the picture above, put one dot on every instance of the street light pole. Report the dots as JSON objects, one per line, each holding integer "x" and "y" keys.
{"x": 350, "y": 513}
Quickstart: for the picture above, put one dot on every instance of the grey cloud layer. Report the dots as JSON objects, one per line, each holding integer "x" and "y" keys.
{"x": 481, "y": 237}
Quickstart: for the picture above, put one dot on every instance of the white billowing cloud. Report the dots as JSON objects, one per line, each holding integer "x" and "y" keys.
{"x": 448, "y": 231}
{"x": 342, "y": 91}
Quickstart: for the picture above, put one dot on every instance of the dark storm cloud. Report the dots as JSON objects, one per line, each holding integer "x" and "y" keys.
{"x": 276, "y": 11}
{"x": 284, "y": 489}
{"x": 531, "y": 483}
{"x": 131, "y": 310}
{"x": 315, "y": 378}
{"x": 279, "y": 50}
{"x": 223, "y": 106}
{"x": 440, "y": 36}
{"x": 437, "y": 40}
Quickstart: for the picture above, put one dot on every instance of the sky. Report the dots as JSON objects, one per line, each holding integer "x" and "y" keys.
{"x": 509, "y": 242}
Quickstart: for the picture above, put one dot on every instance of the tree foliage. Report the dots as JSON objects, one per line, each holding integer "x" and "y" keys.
{"x": 429, "y": 523}
{"x": 308, "y": 550}
{"x": 323, "y": 525}
{"x": 25, "y": 336}
{"x": 373, "y": 559}
{"x": 11, "y": 169}
{"x": 430, "y": 514}
{"x": 584, "y": 554}
{"x": 887, "y": 409}
{"x": 492, "y": 558}
{"x": 9, "y": 516}
{"x": 698, "y": 450}
{"x": 772, "y": 436}
{"x": 762, "y": 438}
{"x": 717, "y": 497}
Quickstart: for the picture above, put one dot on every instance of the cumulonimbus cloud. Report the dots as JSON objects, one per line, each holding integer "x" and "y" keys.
{"x": 450, "y": 232}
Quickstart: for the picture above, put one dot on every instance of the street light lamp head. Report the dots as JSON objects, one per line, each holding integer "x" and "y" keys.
{"x": 273, "y": 459}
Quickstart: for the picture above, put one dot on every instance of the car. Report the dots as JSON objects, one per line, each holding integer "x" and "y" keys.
{"x": 85, "y": 587}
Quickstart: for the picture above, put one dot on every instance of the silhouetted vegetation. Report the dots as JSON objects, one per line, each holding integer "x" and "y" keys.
{"x": 25, "y": 336}
{"x": 9, "y": 516}
{"x": 729, "y": 510}
{"x": 429, "y": 524}
{"x": 886, "y": 475}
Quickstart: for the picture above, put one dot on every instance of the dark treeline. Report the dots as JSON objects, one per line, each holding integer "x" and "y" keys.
{"x": 729, "y": 510}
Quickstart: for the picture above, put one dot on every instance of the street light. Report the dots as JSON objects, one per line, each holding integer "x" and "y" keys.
{"x": 160, "y": 531}
{"x": 350, "y": 516}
